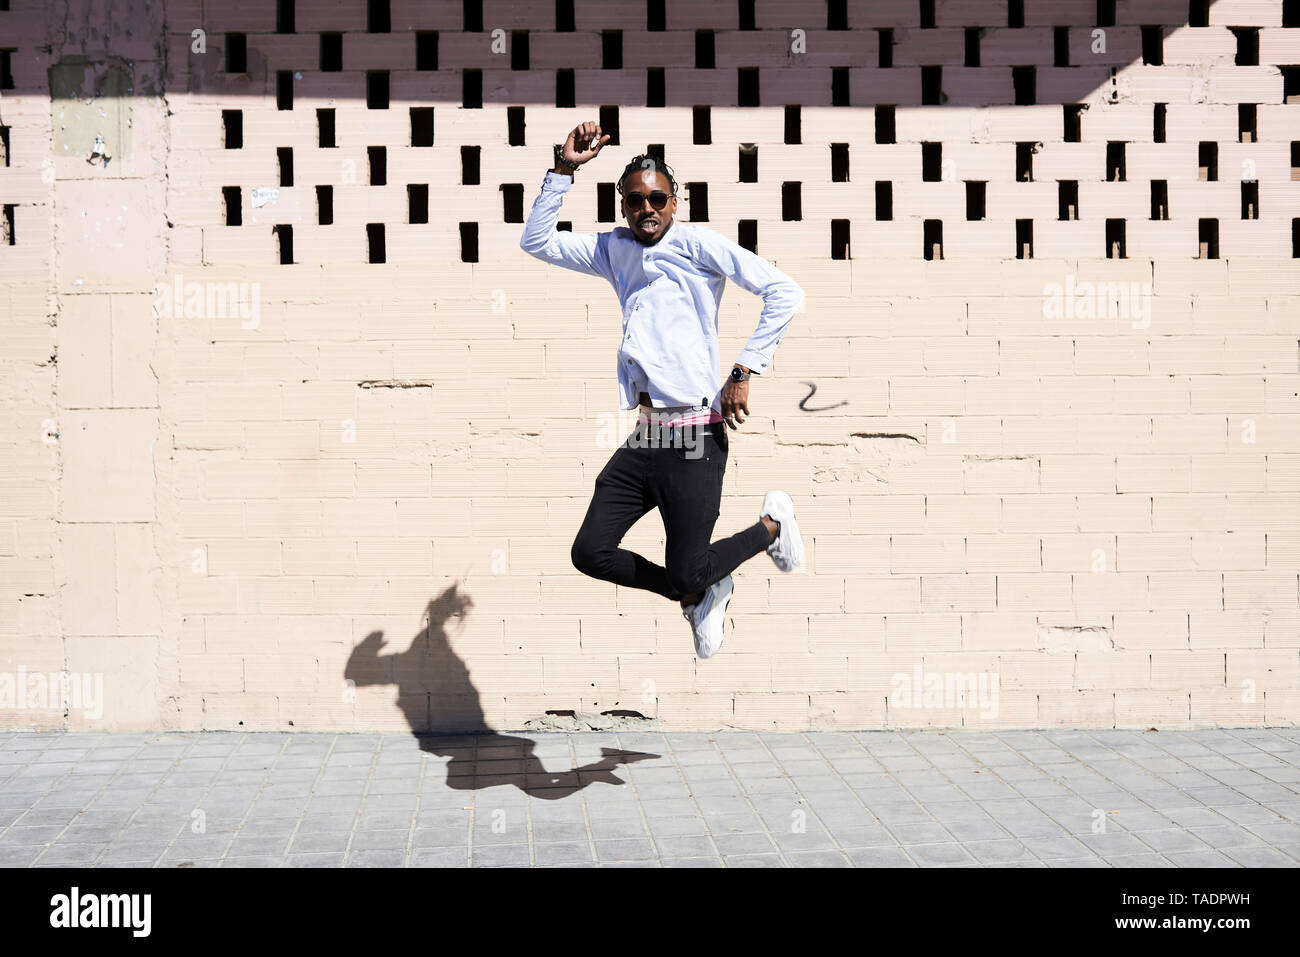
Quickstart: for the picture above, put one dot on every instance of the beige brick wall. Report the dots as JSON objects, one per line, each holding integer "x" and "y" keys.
{"x": 1033, "y": 496}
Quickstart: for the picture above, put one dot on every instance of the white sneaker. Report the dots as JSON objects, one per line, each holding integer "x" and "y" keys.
{"x": 707, "y": 617}
{"x": 787, "y": 548}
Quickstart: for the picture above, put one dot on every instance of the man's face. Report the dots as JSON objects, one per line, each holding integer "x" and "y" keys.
{"x": 647, "y": 223}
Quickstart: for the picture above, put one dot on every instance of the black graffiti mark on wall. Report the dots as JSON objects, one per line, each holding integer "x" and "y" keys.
{"x": 804, "y": 400}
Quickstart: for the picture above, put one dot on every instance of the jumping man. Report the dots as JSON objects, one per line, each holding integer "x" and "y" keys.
{"x": 669, "y": 278}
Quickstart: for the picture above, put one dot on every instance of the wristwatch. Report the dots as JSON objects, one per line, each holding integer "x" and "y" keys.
{"x": 738, "y": 376}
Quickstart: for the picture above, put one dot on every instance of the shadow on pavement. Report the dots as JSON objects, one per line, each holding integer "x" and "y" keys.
{"x": 441, "y": 704}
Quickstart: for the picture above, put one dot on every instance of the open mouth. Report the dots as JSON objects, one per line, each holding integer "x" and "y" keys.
{"x": 649, "y": 224}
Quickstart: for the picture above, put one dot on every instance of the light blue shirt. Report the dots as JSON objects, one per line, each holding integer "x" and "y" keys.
{"x": 669, "y": 293}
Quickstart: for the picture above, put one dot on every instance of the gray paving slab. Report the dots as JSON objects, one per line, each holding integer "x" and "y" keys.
{"x": 1215, "y": 798}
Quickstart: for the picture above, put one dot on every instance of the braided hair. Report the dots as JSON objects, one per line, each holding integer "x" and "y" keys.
{"x": 647, "y": 162}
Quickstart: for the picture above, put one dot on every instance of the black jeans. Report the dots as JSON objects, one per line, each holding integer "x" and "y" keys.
{"x": 678, "y": 471}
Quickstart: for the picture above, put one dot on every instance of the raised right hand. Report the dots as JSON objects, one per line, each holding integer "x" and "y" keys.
{"x": 584, "y": 142}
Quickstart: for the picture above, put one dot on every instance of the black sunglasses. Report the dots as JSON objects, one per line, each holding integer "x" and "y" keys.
{"x": 658, "y": 199}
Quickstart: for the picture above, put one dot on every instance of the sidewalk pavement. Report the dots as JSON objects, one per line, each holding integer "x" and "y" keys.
{"x": 737, "y": 799}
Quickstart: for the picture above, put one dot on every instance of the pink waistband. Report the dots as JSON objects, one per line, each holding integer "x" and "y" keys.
{"x": 677, "y": 419}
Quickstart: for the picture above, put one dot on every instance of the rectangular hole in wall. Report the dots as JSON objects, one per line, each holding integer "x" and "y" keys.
{"x": 1060, "y": 46}
{"x": 656, "y": 16}
{"x": 1247, "y": 45}
{"x": 606, "y": 203}
{"x": 378, "y": 162}
{"x": 376, "y": 247}
{"x": 976, "y": 191}
{"x": 885, "y": 124}
{"x": 704, "y": 51}
{"x": 701, "y": 126}
{"x": 1159, "y": 117}
{"x": 611, "y": 49}
{"x": 284, "y": 90}
{"x": 931, "y": 162}
{"x": 927, "y": 14}
{"x": 697, "y": 202}
{"x": 884, "y": 200}
{"x": 376, "y": 90}
{"x": 839, "y": 162}
{"x": 512, "y": 202}
{"x": 422, "y": 126}
{"x": 1290, "y": 84}
{"x": 931, "y": 85}
{"x": 472, "y": 11}
{"x": 885, "y": 48}
{"x": 1250, "y": 199}
{"x": 325, "y": 205}
{"x": 1295, "y": 160}
{"x": 284, "y": 240}
{"x": 1024, "y": 162}
{"x": 1247, "y": 131}
{"x": 4, "y": 146}
{"x": 748, "y": 163}
{"x": 1105, "y": 13}
{"x": 1024, "y": 80}
{"x": 840, "y": 233}
{"x": 417, "y": 203}
{"x": 1198, "y": 13}
{"x": 1153, "y": 46}
{"x": 932, "y": 238}
{"x": 6, "y": 70}
{"x": 331, "y": 52}
{"x": 514, "y": 126}
{"x": 791, "y": 202}
{"x": 793, "y": 125}
{"x": 1024, "y": 239}
{"x": 840, "y": 86}
{"x": 471, "y": 89}
{"x": 325, "y": 129}
{"x": 232, "y": 205}
{"x": 1159, "y": 199}
{"x": 7, "y": 235}
{"x": 1115, "y": 239}
{"x": 519, "y": 56}
{"x": 607, "y": 118}
{"x": 284, "y": 17}
{"x": 232, "y": 129}
{"x": 236, "y": 53}
{"x": 1290, "y": 13}
{"x": 379, "y": 17}
{"x": 747, "y": 86}
{"x": 1016, "y": 13}
{"x": 564, "y": 89}
{"x": 837, "y": 15}
{"x": 1207, "y": 159}
{"x": 972, "y": 47}
{"x": 1208, "y": 236}
{"x": 1067, "y": 199}
{"x": 284, "y": 160}
{"x": 1115, "y": 163}
{"x": 1072, "y": 118}
{"x": 655, "y": 89}
{"x": 1295, "y": 238}
{"x": 564, "y": 22}
{"x": 426, "y": 50}
{"x": 747, "y": 234}
{"x": 469, "y": 165}
{"x": 747, "y": 21}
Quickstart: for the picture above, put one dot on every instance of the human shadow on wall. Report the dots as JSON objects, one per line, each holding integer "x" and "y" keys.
{"x": 441, "y": 704}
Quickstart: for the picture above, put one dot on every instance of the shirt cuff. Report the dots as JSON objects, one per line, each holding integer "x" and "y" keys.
{"x": 557, "y": 181}
{"x": 753, "y": 361}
